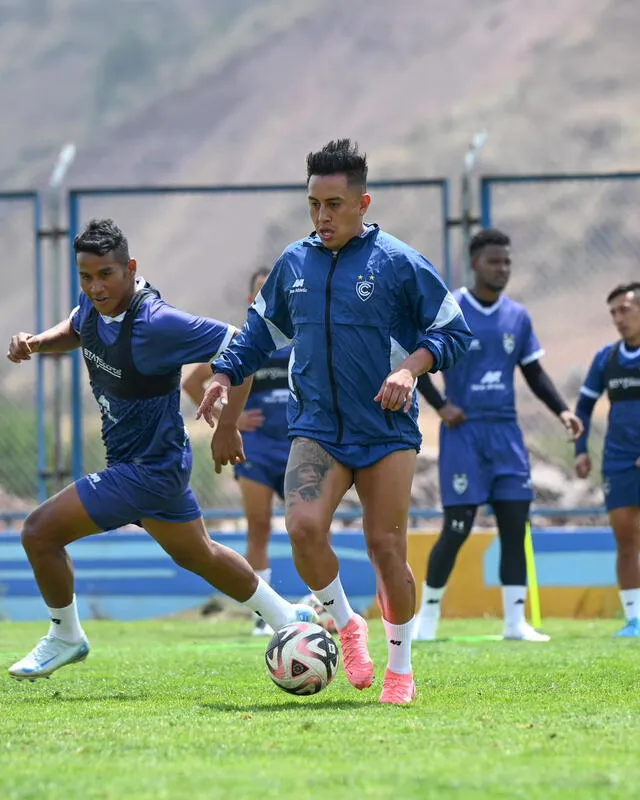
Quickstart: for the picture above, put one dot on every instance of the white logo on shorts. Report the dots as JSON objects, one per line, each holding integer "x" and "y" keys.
{"x": 460, "y": 483}
{"x": 93, "y": 478}
{"x": 606, "y": 486}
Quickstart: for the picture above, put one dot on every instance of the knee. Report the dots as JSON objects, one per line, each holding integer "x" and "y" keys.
{"x": 32, "y": 537}
{"x": 627, "y": 542}
{"x": 456, "y": 526}
{"x": 195, "y": 559}
{"x": 305, "y": 532}
{"x": 386, "y": 549}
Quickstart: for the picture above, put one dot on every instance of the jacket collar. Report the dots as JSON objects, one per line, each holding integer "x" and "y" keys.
{"x": 313, "y": 240}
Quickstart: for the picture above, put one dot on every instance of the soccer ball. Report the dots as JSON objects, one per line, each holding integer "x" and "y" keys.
{"x": 325, "y": 620}
{"x": 302, "y": 658}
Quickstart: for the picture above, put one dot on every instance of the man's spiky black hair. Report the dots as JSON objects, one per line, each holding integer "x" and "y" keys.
{"x": 341, "y": 155}
{"x": 102, "y": 236}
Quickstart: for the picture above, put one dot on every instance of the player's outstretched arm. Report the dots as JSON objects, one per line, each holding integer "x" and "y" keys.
{"x": 60, "y": 339}
{"x": 226, "y": 442}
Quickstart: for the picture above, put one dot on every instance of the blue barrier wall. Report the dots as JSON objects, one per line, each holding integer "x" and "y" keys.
{"x": 128, "y": 576}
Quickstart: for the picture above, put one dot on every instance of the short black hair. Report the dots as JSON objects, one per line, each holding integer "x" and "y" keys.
{"x": 102, "y": 236}
{"x": 261, "y": 272}
{"x": 486, "y": 237}
{"x": 625, "y": 288}
{"x": 341, "y": 155}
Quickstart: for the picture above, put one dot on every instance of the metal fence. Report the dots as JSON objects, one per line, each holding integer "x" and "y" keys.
{"x": 22, "y": 415}
{"x": 572, "y": 235}
{"x": 574, "y": 238}
{"x": 212, "y": 238}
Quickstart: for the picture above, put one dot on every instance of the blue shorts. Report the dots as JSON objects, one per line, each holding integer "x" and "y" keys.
{"x": 126, "y": 493}
{"x": 361, "y": 456}
{"x": 622, "y": 489}
{"x": 266, "y": 461}
{"x": 483, "y": 461}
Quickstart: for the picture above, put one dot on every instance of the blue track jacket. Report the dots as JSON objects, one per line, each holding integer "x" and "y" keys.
{"x": 352, "y": 316}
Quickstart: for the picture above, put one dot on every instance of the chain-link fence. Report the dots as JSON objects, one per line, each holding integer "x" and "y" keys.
{"x": 21, "y": 411}
{"x": 573, "y": 239}
{"x": 199, "y": 246}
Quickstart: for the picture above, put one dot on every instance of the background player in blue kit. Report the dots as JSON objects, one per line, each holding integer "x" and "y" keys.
{"x": 134, "y": 345}
{"x": 366, "y": 314}
{"x": 616, "y": 371}
{"x": 483, "y": 458}
{"x": 263, "y": 424}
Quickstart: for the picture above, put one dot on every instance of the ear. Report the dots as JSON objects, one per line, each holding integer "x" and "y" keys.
{"x": 132, "y": 266}
{"x": 365, "y": 202}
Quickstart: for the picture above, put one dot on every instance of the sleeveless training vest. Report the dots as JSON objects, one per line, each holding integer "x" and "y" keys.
{"x": 111, "y": 367}
{"x": 621, "y": 383}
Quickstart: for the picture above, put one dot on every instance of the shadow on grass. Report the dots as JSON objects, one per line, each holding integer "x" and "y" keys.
{"x": 273, "y": 708}
{"x": 106, "y": 697}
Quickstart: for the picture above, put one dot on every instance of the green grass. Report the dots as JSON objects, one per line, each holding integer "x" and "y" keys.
{"x": 176, "y": 709}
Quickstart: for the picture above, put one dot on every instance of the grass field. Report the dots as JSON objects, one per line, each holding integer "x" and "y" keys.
{"x": 176, "y": 709}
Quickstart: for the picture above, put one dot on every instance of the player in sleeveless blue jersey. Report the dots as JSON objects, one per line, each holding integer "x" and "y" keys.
{"x": 134, "y": 345}
{"x": 483, "y": 458}
{"x": 263, "y": 425}
{"x": 366, "y": 315}
{"x": 616, "y": 371}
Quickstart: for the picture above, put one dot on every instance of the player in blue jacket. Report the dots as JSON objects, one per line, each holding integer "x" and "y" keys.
{"x": 483, "y": 458}
{"x": 263, "y": 425}
{"x": 616, "y": 371}
{"x": 366, "y": 315}
{"x": 134, "y": 345}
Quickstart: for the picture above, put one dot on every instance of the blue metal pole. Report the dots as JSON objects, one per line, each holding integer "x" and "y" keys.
{"x": 41, "y": 428}
{"x": 77, "y": 444}
{"x": 485, "y": 201}
{"x": 446, "y": 235}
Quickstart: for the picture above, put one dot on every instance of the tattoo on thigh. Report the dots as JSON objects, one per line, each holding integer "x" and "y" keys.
{"x": 306, "y": 471}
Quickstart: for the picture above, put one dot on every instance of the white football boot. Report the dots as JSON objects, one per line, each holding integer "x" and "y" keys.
{"x": 47, "y": 656}
{"x": 525, "y": 633}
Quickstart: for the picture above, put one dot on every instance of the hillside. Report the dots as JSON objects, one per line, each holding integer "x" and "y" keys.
{"x": 232, "y": 91}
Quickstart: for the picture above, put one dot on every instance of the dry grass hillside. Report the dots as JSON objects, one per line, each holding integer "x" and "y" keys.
{"x": 207, "y": 92}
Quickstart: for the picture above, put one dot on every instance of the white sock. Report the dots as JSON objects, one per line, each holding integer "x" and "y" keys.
{"x": 399, "y": 644}
{"x": 630, "y": 599}
{"x": 431, "y": 598}
{"x": 65, "y": 623}
{"x": 335, "y": 601}
{"x": 514, "y": 600}
{"x": 265, "y": 574}
{"x": 275, "y": 610}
